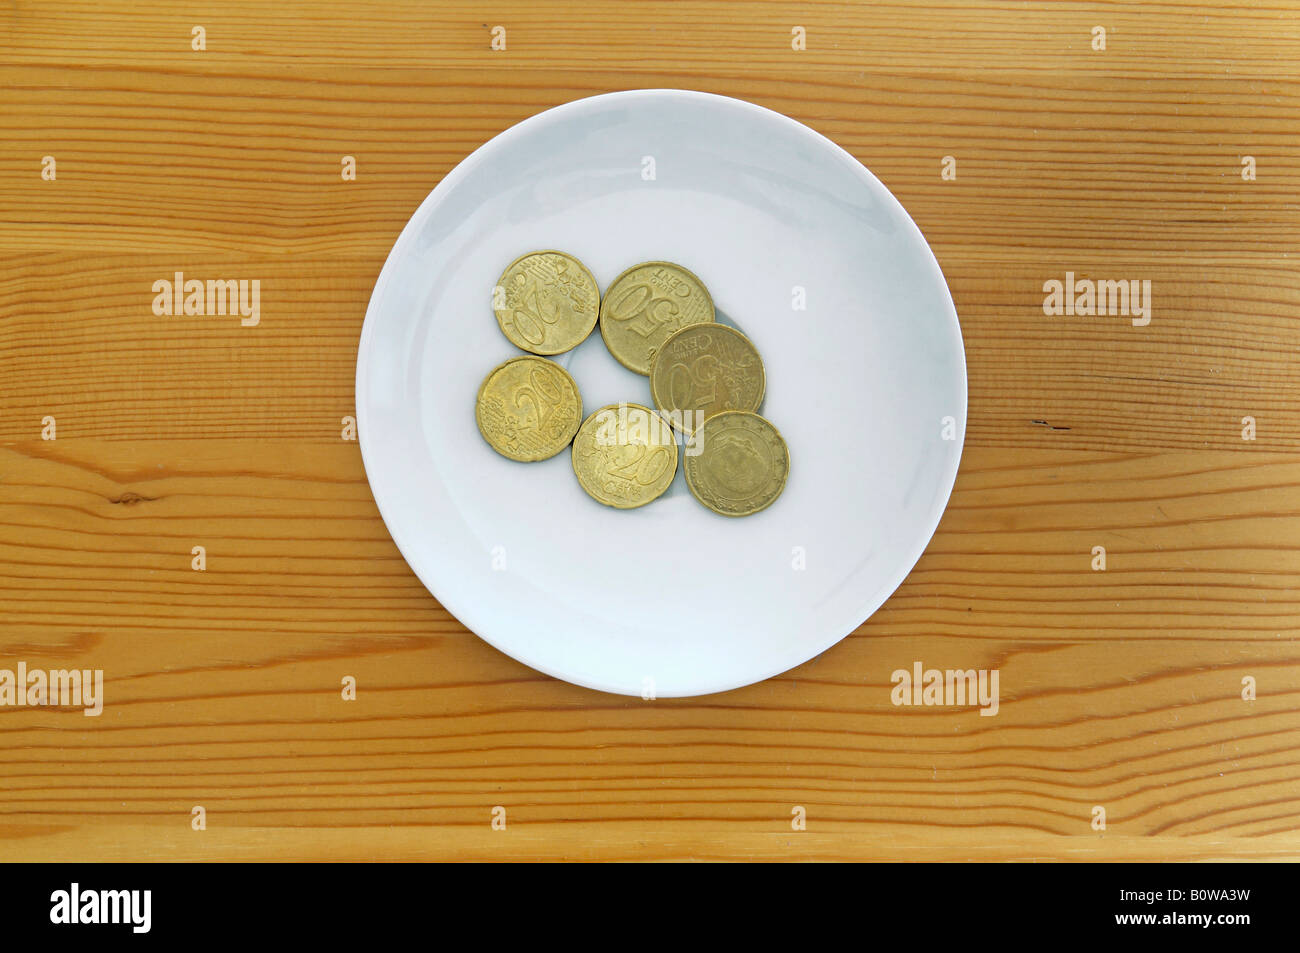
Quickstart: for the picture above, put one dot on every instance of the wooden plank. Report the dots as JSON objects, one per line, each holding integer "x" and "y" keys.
{"x": 1191, "y": 38}
{"x": 155, "y": 159}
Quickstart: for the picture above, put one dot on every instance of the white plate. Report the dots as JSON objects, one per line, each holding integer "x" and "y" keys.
{"x": 669, "y": 598}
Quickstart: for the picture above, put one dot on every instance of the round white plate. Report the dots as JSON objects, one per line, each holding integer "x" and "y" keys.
{"x": 669, "y": 599}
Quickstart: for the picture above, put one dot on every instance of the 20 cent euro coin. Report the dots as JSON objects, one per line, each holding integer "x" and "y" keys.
{"x": 625, "y": 455}
{"x": 528, "y": 409}
{"x": 741, "y": 466}
{"x": 546, "y": 302}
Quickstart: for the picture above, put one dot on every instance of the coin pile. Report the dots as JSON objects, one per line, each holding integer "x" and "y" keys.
{"x": 658, "y": 320}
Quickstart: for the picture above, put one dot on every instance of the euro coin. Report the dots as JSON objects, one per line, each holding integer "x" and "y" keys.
{"x": 625, "y": 455}
{"x": 741, "y": 465}
{"x": 528, "y": 409}
{"x": 645, "y": 305}
{"x": 546, "y": 302}
{"x": 704, "y": 370}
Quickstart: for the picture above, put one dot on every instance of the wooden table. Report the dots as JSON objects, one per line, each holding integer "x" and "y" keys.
{"x": 1121, "y": 688}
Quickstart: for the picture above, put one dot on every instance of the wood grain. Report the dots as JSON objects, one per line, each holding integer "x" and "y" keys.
{"x": 1119, "y": 688}
{"x": 1238, "y": 37}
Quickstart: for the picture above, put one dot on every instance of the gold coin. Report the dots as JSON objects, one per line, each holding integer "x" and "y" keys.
{"x": 625, "y": 455}
{"x": 547, "y": 302}
{"x": 704, "y": 370}
{"x": 528, "y": 409}
{"x": 646, "y": 304}
{"x": 741, "y": 465}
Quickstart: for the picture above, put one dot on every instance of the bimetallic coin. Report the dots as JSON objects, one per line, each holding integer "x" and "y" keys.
{"x": 741, "y": 466}
{"x": 546, "y": 302}
{"x": 625, "y": 455}
{"x": 528, "y": 409}
{"x": 704, "y": 370}
{"x": 645, "y": 305}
